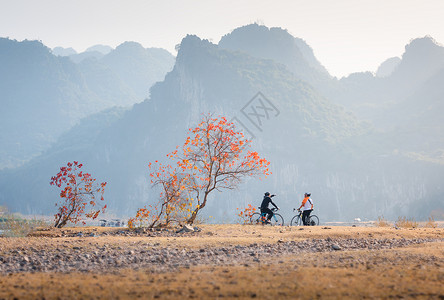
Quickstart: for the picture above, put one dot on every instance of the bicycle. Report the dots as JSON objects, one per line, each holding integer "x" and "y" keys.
{"x": 313, "y": 220}
{"x": 261, "y": 218}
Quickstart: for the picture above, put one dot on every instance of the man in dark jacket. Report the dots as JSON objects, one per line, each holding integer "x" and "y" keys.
{"x": 264, "y": 206}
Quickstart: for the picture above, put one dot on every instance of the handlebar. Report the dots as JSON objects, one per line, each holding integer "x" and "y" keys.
{"x": 272, "y": 209}
{"x": 297, "y": 209}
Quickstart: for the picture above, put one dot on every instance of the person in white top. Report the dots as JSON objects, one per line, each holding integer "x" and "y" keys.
{"x": 307, "y": 208}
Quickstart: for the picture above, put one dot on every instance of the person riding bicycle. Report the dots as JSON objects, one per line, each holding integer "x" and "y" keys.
{"x": 264, "y": 206}
{"x": 307, "y": 207}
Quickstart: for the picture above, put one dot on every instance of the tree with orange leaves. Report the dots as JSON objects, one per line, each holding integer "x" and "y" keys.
{"x": 174, "y": 202}
{"x": 216, "y": 156}
{"x": 79, "y": 192}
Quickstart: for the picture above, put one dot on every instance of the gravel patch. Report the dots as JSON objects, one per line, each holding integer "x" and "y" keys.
{"x": 105, "y": 258}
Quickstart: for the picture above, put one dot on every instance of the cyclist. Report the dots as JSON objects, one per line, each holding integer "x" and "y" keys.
{"x": 264, "y": 206}
{"x": 307, "y": 207}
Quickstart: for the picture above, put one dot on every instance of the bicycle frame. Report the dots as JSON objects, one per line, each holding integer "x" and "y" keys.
{"x": 299, "y": 213}
{"x": 312, "y": 218}
{"x": 263, "y": 216}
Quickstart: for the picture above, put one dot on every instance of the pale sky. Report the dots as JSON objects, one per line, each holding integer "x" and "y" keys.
{"x": 346, "y": 35}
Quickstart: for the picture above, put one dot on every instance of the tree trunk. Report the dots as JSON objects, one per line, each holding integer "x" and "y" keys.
{"x": 194, "y": 214}
{"x": 64, "y": 221}
{"x": 57, "y": 222}
{"x": 193, "y": 217}
{"x": 61, "y": 224}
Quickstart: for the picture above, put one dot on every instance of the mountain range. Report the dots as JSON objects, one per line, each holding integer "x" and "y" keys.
{"x": 365, "y": 145}
{"x": 43, "y": 95}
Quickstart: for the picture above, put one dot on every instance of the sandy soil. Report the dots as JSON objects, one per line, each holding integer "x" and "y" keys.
{"x": 223, "y": 235}
{"x": 415, "y": 271}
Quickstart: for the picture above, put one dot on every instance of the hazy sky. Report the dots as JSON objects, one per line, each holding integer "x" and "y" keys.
{"x": 346, "y": 35}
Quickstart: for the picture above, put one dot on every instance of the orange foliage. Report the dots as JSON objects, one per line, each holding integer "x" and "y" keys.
{"x": 218, "y": 157}
{"x": 174, "y": 202}
{"x": 214, "y": 156}
{"x": 142, "y": 215}
{"x": 246, "y": 214}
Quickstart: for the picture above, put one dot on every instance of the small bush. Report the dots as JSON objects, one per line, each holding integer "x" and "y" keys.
{"x": 245, "y": 214}
{"x": 381, "y": 222}
{"x": 431, "y": 223}
{"x": 403, "y": 222}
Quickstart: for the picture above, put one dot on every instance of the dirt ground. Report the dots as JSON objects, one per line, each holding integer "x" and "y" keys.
{"x": 223, "y": 235}
{"x": 415, "y": 271}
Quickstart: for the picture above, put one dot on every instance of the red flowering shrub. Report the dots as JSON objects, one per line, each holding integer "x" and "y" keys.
{"x": 78, "y": 195}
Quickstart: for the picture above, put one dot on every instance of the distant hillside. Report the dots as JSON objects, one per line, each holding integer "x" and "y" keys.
{"x": 137, "y": 67}
{"x": 78, "y": 143}
{"x": 376, "y": 98}
{"x": 60, "y": 51}
{"x": 104, "y": 49}
{"x": 43, "y": 95}
{"x": 80, "y": 57}
{"x": 130, "y": 65}
{"x": 279, "y": 45}
{"x": 406, "y": 106}
{"x": 419, "y": 119}
{"x": 97, "y": 52}
{"x": 388, "y": 67}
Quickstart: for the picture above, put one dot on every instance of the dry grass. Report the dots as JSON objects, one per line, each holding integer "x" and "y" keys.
{"x": 431, "y": 223}
{"x": 382, "y": 222}
{"x": 403, "y": 222}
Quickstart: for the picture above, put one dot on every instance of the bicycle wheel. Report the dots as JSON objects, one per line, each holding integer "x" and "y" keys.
{"x": 314, "y": 220}
{"x": 255, "y": 219}
{"x": 296, "y": 221}
{"x": 277, "y": 220}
